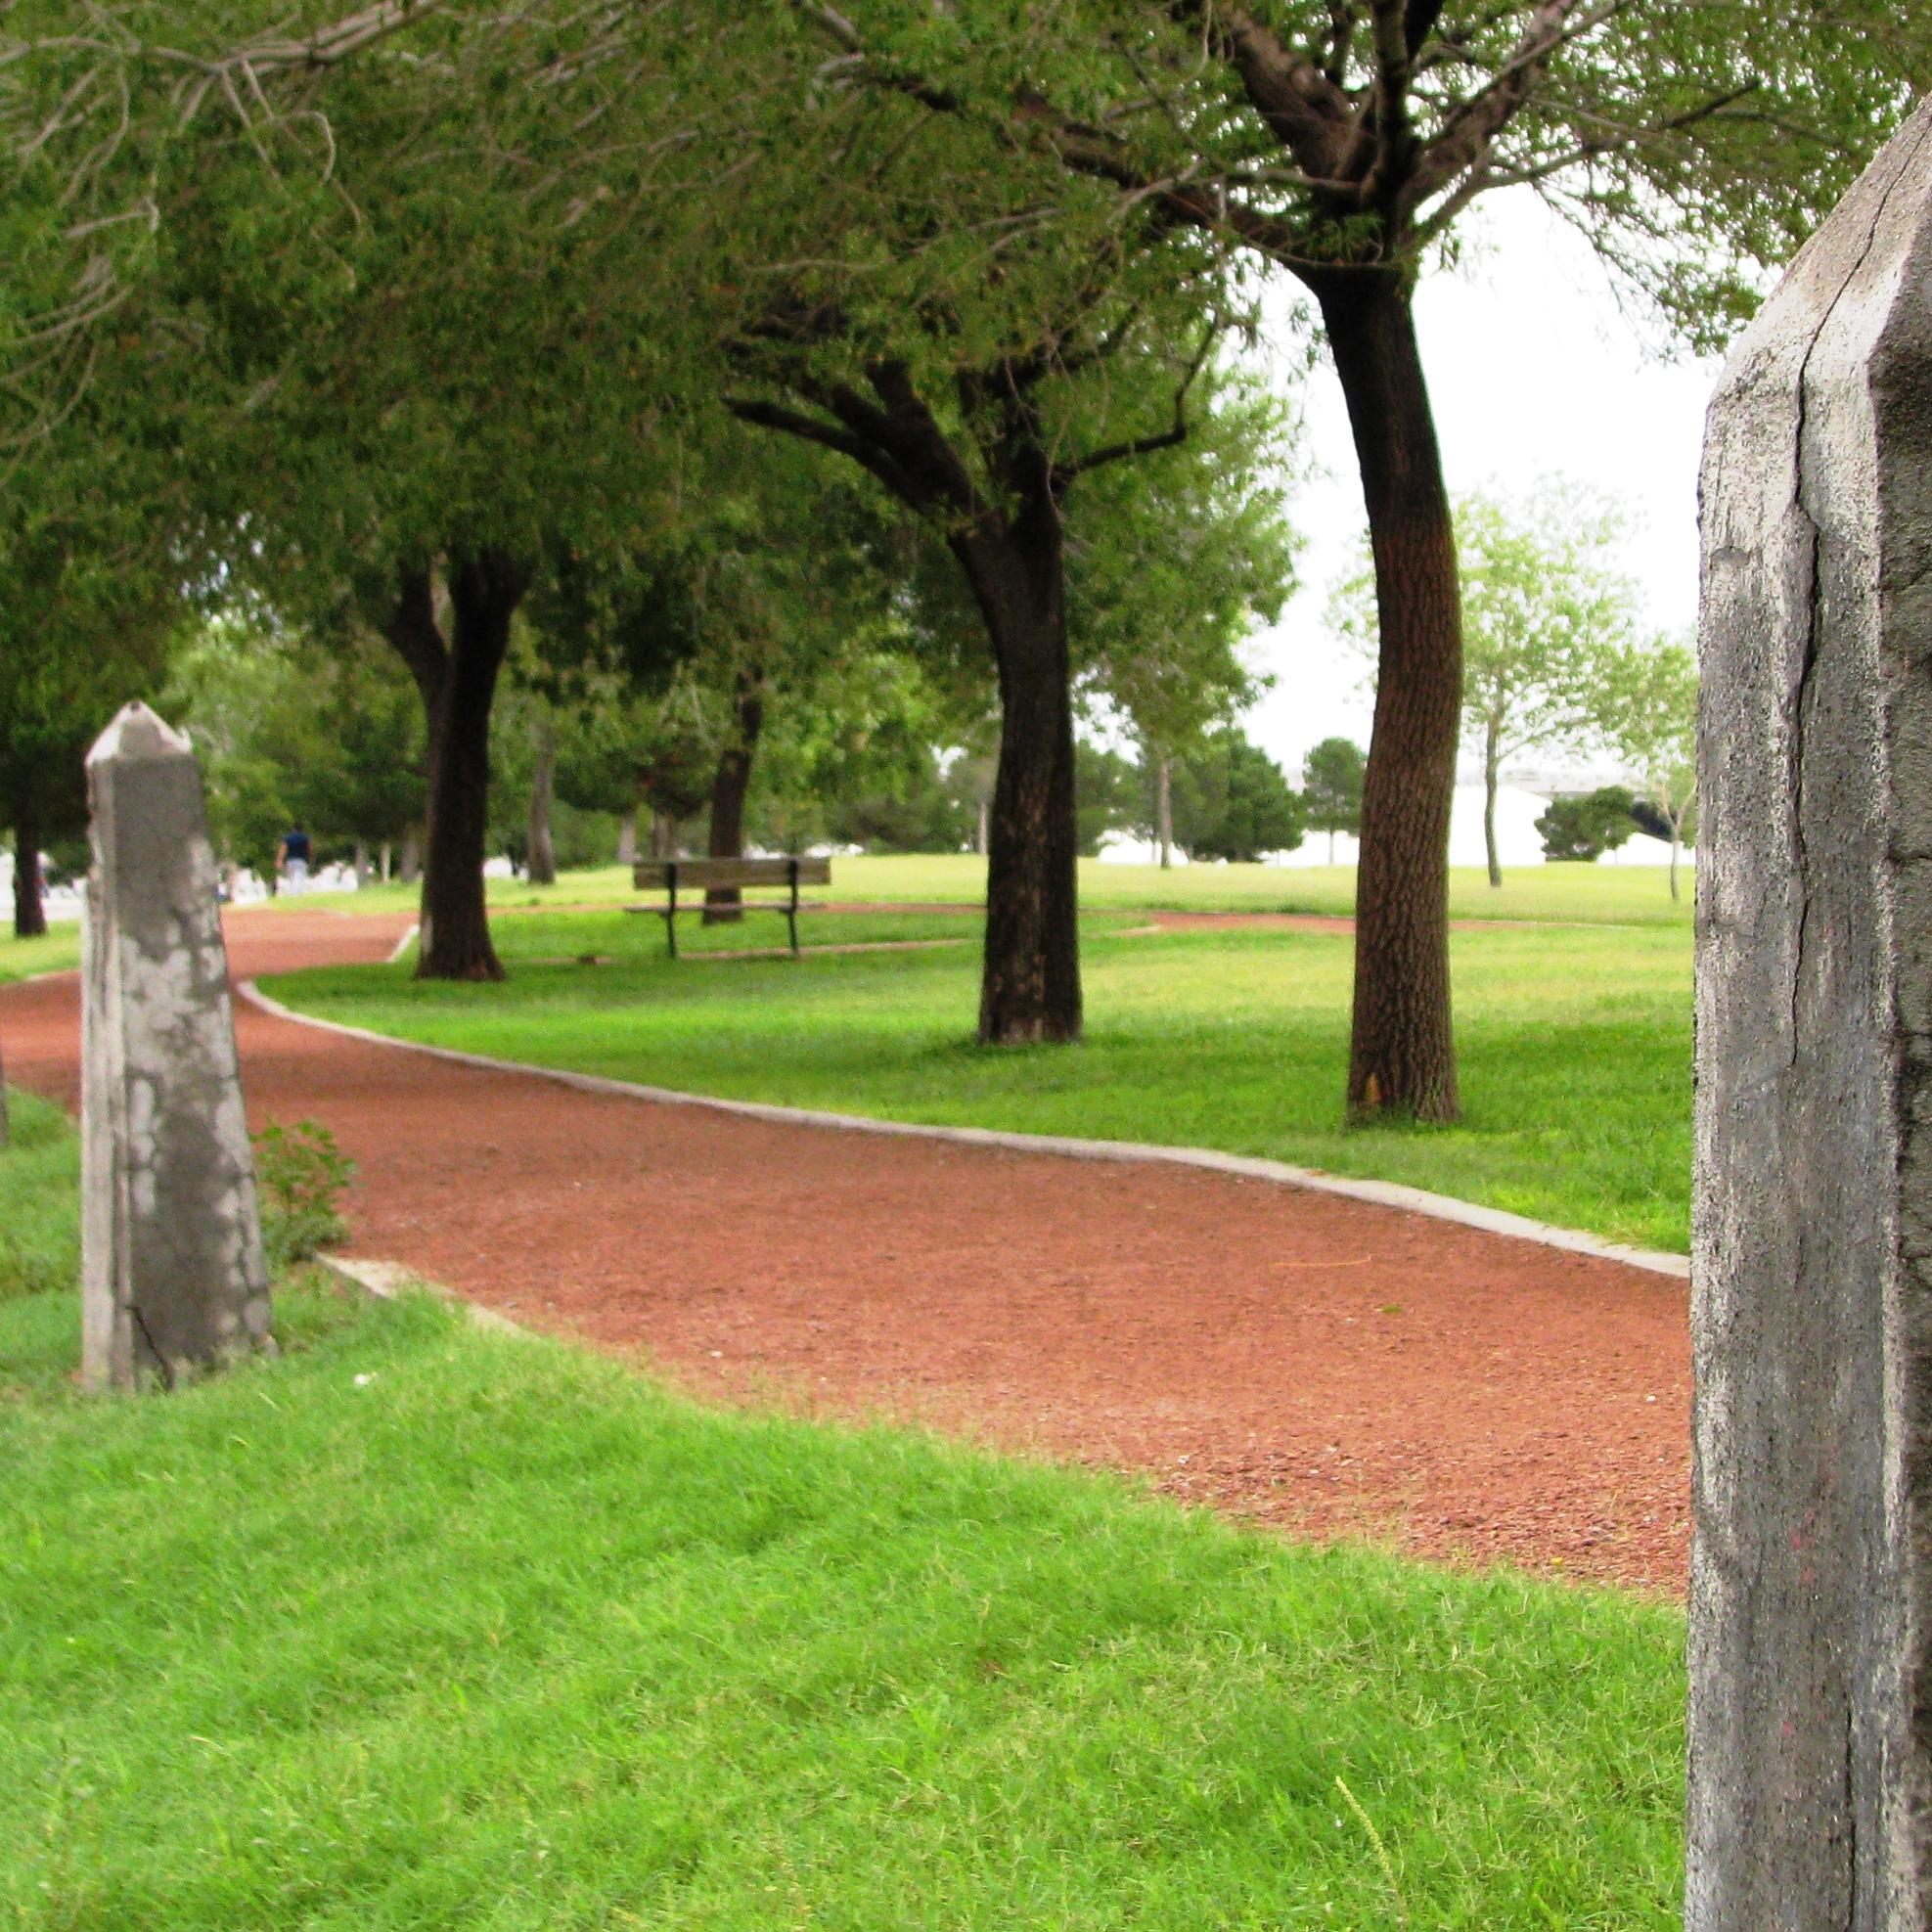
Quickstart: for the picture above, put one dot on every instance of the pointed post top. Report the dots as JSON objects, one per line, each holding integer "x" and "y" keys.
{"x": 1860, "y": 273}
{"x": 136, "y": 736}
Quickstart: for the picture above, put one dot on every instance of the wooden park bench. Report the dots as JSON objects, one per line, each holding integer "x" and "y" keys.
{"x": 666, "y": 876}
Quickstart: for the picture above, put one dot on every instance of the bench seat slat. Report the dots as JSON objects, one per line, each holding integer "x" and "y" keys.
{"x": 695, "y": 874}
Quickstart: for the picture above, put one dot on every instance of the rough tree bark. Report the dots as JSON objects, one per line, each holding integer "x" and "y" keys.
{"x": 485, "y": 590}
{"x": 457, "y": 681}
{"x": 1030, "y": 979}
{"x": 543, "y": 785}
{"x": 29, "y": 888}
{"x": 1402, "y": 1054}
{"x": 725, "y": 903}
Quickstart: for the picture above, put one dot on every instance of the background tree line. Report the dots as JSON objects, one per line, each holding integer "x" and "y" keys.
{"x": 689, "y": 351}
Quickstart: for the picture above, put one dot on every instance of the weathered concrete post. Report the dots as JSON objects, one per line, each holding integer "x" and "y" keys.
{"x": 1810, "y": 1698}
{"x": 172, "y": 1275}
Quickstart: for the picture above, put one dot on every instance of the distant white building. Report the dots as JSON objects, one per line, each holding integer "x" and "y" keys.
{"x": 1518, "y": 843}
{"x": 1640, "y": 850}
{"x": 1120, "y": 848}
{"x": 56, "y": 902}
{"x": 1517, "y": 840}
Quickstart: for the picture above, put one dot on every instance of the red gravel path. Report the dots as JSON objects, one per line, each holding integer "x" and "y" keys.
{"x": 1310, "y": 1362}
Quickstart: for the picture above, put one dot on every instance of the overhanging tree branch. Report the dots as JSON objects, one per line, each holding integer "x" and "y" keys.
{"x": 1175, "y": 434}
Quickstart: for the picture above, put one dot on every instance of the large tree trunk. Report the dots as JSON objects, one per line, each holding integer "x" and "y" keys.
{"x": 1030, "y": 979}
{"x": 411, "y": 627}
{"x": 724, "y": 903}
{"x": 1492, "y": 758}
{"x": 663, "y": 835}
{"x": 627, "y": 839}
{"x": 543, "y": 783}
{"x": 1402, "y": 1056}
{"x": 29, "y": 888}
{"x": 484, "y": 592}
{"x": 1164, "y": 810}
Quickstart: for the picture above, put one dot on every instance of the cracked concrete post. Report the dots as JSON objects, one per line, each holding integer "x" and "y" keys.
{"x": 1810, "y": 1603}
{"x": 172, "y": 1275}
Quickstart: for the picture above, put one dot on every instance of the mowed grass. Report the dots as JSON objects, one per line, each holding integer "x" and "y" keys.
{"x": 421, "y": 1626}
{"x": 1618, "y": 895}
{"x": 1575, "y": 1047}
{"x": 54, "y": 950}
{"x": 40, "y": 1168}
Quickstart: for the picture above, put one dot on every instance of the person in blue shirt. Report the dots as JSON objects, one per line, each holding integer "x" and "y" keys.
{"x": 291, "y": 861}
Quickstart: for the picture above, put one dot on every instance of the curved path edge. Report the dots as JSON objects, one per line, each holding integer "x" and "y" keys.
{"x": 1380, "y": 1194}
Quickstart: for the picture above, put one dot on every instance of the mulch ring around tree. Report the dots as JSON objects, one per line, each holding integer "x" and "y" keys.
{"x": 1318, "y": 1365}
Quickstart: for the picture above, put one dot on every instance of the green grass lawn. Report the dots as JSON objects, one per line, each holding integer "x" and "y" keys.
{"x": 55, "y": 950}
{"x": 1623, "y": 895}
{"x": 39, "y": 1237}
{"x": 420, "y": 1627}
{"x": 1575, "y": 1047}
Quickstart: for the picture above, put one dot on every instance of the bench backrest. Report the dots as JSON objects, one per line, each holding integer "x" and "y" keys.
{"x": 655, "y": 875}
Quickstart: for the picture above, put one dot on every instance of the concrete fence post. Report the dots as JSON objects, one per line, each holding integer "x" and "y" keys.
{"x": 172, "y": 1272}
{"x": 1811, "y": 1701}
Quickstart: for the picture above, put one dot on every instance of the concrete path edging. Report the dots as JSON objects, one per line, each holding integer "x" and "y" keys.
{"x": 388, "y": 1279}
{"x": 1378, "y": 1193}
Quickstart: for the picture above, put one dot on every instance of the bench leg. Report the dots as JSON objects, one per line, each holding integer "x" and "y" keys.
{"x": 671, "y": 917}
{"x": 792, "y": 911}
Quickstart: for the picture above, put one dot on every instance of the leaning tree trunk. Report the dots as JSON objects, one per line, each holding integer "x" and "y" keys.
{"x": 1030, "y": 979}
{"x": 484, "y": 592}
{"x": 1491, "y": 759}
{"x": 543, "y": 785}
{"x": 29, "y": 888}
{"x": 724, "y": 903}
{"x": 1402, "y": 1056}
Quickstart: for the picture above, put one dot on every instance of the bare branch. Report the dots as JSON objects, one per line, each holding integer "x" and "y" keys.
{"x": 1168, "y": 438}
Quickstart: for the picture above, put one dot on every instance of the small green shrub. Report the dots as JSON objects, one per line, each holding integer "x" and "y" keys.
{"x": 302, "y": 1174}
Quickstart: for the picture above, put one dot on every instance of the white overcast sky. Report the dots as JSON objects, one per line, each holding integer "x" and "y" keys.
{"x": 1534, "y": 371}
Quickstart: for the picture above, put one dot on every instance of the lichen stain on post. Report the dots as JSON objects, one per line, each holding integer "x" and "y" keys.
{"x": 173, "y": 1277}
{"x": 1811, "y": 1613}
